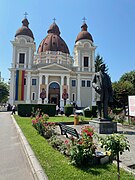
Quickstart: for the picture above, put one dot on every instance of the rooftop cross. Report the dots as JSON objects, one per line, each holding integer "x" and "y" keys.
{"x": 84, "y": 19}
{"x": 54, "y": 20}
{"x": 25, "y": 15}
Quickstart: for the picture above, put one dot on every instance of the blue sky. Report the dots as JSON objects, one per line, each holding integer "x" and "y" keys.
{"x": 110, "y": 22}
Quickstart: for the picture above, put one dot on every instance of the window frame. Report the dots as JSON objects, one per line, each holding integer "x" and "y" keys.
{"x": 86, "y": 63}
{"x": 88, "y": 85}
{"x": 33, "y": 84}
{"x": 83, "y": 81}
{"x": 20, "y": 60}
{"x": 73, "y": 84}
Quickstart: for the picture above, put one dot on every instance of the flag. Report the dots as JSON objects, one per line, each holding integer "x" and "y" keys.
{"x": 19, "y": 93}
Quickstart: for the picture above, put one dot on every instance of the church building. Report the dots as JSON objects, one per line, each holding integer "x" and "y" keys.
{"x": 50, "y": 74}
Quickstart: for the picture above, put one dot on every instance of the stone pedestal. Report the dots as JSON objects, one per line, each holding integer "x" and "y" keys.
{"x": 104, "y": 126}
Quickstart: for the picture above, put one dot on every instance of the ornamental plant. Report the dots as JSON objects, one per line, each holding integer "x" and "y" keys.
{"x": 44, "y": 128}
{"x": 116, "y": 144}
{"x": 82, "y": 150}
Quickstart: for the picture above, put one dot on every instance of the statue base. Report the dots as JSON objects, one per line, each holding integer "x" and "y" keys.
{"x": 103, "y": 126}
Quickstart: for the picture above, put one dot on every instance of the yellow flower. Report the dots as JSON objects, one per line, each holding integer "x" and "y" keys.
{"x": 108, "y": 153}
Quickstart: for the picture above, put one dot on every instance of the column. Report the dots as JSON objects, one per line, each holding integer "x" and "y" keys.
{"x": 13, "y": 60}
{"x": 28, "y": 95}
{"x": 90, "y": 64}
{"x": 68, "y": 84}
{"x": 40, "y": 82}
{"x": 61, "y": 91}
{"x": 78, "y": 90}
{"x": 47, "y": 88}
{"x": 29, "y": 60}
{"x": 12, "y": 88}
{"x": 92, "y": 60}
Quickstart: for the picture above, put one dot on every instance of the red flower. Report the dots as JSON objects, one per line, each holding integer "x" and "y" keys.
{"x": 66, "y": 141}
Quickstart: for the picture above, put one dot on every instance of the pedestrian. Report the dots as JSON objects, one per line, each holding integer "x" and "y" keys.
{"x": 57, "y": 109}
{"x": 13, "y": 109}
{"x": 61, "y": 110}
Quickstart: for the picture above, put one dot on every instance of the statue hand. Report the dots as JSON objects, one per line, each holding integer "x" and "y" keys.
{"x": 98, "y": 89}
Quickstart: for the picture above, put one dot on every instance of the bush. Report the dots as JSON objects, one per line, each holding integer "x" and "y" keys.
{"x": 88, "y": 113}
{"x": 91, "y": 113}
{"x": 43, "y": 127}
{"x": 68, "y": 109}
{"x": 117, "y": 110}
{"x": 25, "y": 110}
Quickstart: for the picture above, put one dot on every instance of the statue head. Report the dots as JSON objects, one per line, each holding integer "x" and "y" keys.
{"x": 102, "y": 67}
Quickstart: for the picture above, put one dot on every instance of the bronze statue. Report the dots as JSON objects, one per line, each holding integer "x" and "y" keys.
{"x": 103, "y": 92}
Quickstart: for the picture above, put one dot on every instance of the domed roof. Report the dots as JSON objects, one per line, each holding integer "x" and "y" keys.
{"x": 24, "y": 30}
{"x": 84, "y": 34}
{"x": 53, "y": 41}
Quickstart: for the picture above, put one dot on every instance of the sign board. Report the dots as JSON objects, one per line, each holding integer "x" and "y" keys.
{"x": 131, "y": 105}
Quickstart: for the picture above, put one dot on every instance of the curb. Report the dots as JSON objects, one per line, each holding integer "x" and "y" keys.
{"x": 35, "y": 166}
{"x": 129, "y": 170}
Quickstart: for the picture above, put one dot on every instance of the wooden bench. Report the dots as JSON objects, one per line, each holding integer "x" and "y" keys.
{"x": 65, "y": 130}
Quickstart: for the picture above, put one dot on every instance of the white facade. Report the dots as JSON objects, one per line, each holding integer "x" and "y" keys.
{"x": 53, "y": 71}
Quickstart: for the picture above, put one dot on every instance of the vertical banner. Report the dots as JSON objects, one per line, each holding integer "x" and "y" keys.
{"x": 131, "y": 104}
{"x": 19, "y": 93}
{"x": 65, "y": 92}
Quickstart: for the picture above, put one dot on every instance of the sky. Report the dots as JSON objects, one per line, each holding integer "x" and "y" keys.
{"x": 110, "y": 22}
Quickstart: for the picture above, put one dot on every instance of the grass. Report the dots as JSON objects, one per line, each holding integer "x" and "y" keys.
{"x": 56, "y": 165}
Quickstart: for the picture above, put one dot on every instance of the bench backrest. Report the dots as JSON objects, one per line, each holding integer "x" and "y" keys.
{"x": 67, "y": 129}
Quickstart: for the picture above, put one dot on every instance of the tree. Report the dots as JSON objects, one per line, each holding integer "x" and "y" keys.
{"x": 123, "y": 88}
{"x": 98, "y": 61}
{"x": 130, "y": 77}
{"x": 4, "y": 92}
{"x": 121, "y": 91}
{"x": 116, "y": 144}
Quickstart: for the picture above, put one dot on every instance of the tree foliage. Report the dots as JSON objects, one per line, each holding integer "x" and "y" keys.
{"x": 4, "y": 92}
{"x": 124, "y": 87}
{"x": 98, "y": 61}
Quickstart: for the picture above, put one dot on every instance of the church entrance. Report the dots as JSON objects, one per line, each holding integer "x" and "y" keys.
{"x": 54, "y": 93}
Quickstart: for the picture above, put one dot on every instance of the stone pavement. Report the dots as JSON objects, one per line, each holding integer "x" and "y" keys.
{"x": 13, "y": 163}
{"x": 128, "y": 157}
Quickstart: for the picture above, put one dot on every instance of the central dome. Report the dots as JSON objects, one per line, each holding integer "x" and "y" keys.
{"x": 53, "y": 41}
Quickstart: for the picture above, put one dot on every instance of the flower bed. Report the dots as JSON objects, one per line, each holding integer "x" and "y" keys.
{"x": 81, "y": 152}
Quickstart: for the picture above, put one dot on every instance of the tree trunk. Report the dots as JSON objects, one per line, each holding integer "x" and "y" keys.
{"x": 118, "y": 166}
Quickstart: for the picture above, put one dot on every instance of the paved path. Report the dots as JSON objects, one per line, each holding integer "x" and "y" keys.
{"x": 13, "y": 162}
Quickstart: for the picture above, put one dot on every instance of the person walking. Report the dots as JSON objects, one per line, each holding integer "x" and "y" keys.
{"x": 13, "y": 109}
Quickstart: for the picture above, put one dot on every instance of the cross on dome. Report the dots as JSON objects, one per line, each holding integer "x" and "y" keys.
{"x": 84, "y": 20}
{"x": 25, "y": 15}
{"x": 54, "y": 20}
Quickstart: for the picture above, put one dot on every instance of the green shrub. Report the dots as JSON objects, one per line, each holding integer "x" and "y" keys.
{"x": 68, "y": 109}
{"x": 88, "y": 113}
{"x": 117, "y": 110}
{"x": 91, "y": 113}
{"x": 94, "y": 111}
{"x": 25, "y": 110}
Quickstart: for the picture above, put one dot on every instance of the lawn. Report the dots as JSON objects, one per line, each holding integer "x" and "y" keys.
{"x": 56, "y": 165}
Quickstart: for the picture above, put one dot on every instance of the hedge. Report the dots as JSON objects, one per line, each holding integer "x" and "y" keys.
{"x": 68, "y": 109}
{"x": 91, "y": 113}
{"x": 25, "y": 110}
